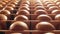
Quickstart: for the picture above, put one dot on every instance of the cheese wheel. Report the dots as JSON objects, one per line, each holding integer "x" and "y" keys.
{"x": 18, "y": 26}
{"x": 45, "y": 26}
{"x": 24, "y": 7}
{"x": 40, "y": 12}
{"x": 49, "y": 33}
{"x": 23, "y": 12}
{"x": 21, "y": 18}
{"x": 44, "y": 17}
{"x": 9, "y": 8}
{"x": 55, "y": 12}
{"x": 3, "y": 17}
{"x": 6, "y": 12}
{"x": 57, "y": 17}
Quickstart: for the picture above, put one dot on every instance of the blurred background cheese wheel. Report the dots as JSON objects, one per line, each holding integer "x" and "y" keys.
{"x": 49, "y": 5}
{"x": 39, "y": 12}
{"x": 5, "y": 12}
{"x": 46, "y": 2}
{"x": 23, "y": 12}
{"x": 24, "y": 7}
{"x": 57, "y": 3}
{"x": 12, "y": 5}
{"x": 15, "y": 2}
{"x": 3, "y": 3}
{"x": 21, "y": 18}
{"x": 1, "y": 6}
{"x": 39, "y": 7}
{"x": 26, "y": 2}
{"x": 9, "y": 8}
